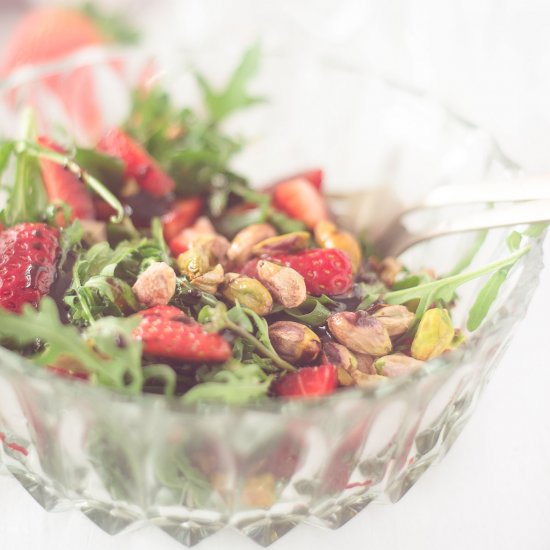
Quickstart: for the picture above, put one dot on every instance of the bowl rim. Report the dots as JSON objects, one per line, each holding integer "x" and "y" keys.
{"x": 386, "y": 388}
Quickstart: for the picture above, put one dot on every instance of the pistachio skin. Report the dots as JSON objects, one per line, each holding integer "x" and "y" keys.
{"x": 295, "y": 342}
{"x": 193, "y": 263}
{"x": 360, "y": 332}
{"x": 285, "y": 284}
{"x": 248, "y": 292}
{"x": 210, "y": 281}
{"x": 156, "y": 285}
{"x": 396, "y": 319}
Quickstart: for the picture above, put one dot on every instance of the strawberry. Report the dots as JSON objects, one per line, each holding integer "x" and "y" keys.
{"x": 307, "y": 382}
{"x": 49, "y": 33}
{"x": 28, "y": 258}
{"x": 315, "y": 176}
{"x": 63, "y": 186}
{"x": 325, "y": 270}
{"x": 139, "y": 164}
{"x": 301, "y": 200}
{"x": 183, "y": 214}
{"x": 180, "y": 243}
{"x": 168, "y": 332}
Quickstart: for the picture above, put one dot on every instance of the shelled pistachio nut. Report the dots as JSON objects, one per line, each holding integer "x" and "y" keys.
{"x": 240, "y": 249}
{"x": 388, "y": 270}
{"x": 360, "y": 332}
{"x": 210, "y": 281}
{"x": 194, "y": 262}
{"x": 434, "y": 334}
{"x": 396, "y": 364}
{"x": 285, "y": 284}
{"x": 343, "y": 360}
{"x": 156, "y": 285}
{"x": 396, "y": 319}
{"x": 215, "y": 246}
{"x": 248, "y": 292}
{"x": 282, "y": 244}
{"x": 294, "y": 342}
{"x": 328, "y": 235}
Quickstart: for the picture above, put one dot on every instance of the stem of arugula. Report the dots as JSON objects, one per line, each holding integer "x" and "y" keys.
{"x": 259, "y": 346}
{"x": 24, "y": 147}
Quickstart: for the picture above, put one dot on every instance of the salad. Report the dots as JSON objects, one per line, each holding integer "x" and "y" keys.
{"x": 146, "y": 264}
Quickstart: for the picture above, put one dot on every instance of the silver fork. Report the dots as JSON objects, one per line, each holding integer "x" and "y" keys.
{"x": 528, "y": 198}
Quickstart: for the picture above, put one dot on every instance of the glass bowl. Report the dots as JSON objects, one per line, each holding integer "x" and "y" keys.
{"x": 263, "y": 468}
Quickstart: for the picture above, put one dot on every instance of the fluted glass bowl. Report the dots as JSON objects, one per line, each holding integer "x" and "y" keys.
{"x": 264, "y": 468}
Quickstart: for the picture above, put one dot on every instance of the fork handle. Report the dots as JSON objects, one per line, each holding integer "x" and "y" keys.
{"x": 520, "y": 189}
{"x": 517, "y": 214}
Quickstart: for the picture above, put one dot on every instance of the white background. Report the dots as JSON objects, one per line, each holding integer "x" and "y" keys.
{"x": 491, "y": 61}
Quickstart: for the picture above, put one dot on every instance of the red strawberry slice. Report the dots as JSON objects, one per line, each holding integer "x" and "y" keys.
{"x": 307, "y": 382}
{"x": 139, "y": 164}
{"x": 301, "y": 200}
{"x": 315, "y": 176}
{"x": 325, "y": 270}
{"x": 183, "y": 214}
{"x": 166, "y": 331}
{"x": 63, "y": 186}
{"x": 28, "y": 258}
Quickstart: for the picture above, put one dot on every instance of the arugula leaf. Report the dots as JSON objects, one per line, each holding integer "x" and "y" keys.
{"x": 6, "y": 150}
{"x": 487, "y": 295}
{"x": 114, "y": 27}
{"x": 312, "y": 312}
{"x": 235, "y": 95}
{"x": 444, "y": 289}
{"x": 470, "y": 254}
{"x": 535, "y": 230}
{"x": 107, "y": 169}
{"x": 513, "y": 241}
{"x": 121, "y": 369}
{"x": 233, "y": 383}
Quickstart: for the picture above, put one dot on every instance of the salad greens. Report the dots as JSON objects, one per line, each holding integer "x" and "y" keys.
{"x": 101, "y": 310}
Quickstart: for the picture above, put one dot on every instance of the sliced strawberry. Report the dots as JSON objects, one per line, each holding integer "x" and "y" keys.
{"x": 180, "y": 243}
{"x": 315, "y": 176}
{"x": 45, "y": 34}
{"x": 183, "y": 214}
{"x": 63, "y": 186}
{"x": 139, "y": 165}
{"x": 307, "y": 382}
{"x": 250, "y": 268}
{"x": 325, "y": 270}
{"x": 166, "y": 331}
{"x": 28, "y": 259}
{"x": 301, "y": 200}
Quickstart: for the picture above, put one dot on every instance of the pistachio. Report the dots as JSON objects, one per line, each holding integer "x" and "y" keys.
{"x": 215, "y": 246}
{"x": 388, "y": 269}
{"x": 396, "y": 319}
{"x": 360, "y": 332}
{"x": 203, "y": 226}
{"x": 434, "y": 334}
{"x": 210, "y": 281}
{"x": 287, "y": 243}
{"x": 285, "y": 284}
{"x": 194, "y": 263}
{"x": 396, "y": 364}
{"x": 343, "y": 360}
{"x": 241, "y": 246}
{"x": 94, "y": 231}
{"x": 294, "y": 342}
{"x": 365, "y": 363}
{"x": 156, "y": 285}
{"x": 248, "y": 292}
{"x": 328, "y": 235}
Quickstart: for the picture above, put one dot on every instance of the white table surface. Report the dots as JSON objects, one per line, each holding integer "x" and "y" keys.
{"x": 492, "y": 491}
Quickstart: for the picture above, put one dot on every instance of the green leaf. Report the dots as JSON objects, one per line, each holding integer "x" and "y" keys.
{"x": 107, "y": 169}
{"x": 234, "y": 96}
{"x": 233, "y": 383}
{"x": 513, "y": 241}
{"x": 535, "y": 230}
{"x": 444, "y": 289}
{"x": 487, "y": 295}
{"x": 6, "y": 150}
{"x": 113, "y": 27}
{"x": 470, "y": 254}
{"x": 312, "y": 312}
